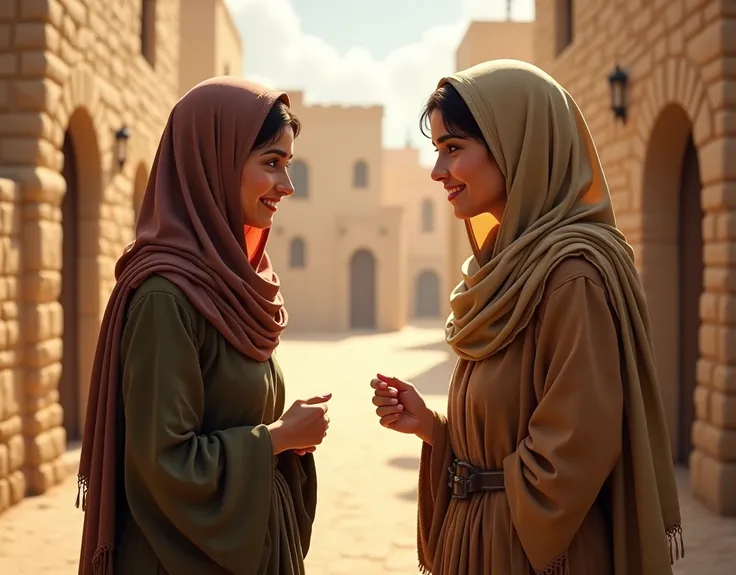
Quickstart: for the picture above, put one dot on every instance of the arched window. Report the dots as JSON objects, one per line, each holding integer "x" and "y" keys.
{"x": 297, "y": 253}
{"x": 299, "y": 174}
{"x": 427, "y": 216}
{"x": 360, "y": 174}
{"x": 565, "y": 13}
{"x": 148, "y": 31}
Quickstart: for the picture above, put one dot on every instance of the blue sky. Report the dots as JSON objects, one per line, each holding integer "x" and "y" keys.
{"x": 389, "y": 52}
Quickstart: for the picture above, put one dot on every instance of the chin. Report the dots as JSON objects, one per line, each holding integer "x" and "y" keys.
{"x": 260, "y": 222}
{"x": 261, "y": 225}
{"x": 461, "y": 214}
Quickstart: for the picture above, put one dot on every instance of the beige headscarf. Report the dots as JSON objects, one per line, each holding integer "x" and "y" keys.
{"x": 191, "y": 232}
{"x": 558, "y": 206}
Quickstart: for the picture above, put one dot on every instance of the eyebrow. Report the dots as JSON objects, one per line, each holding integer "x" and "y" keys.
{"x": 444, "y": 137}
{"x": 278, "y": 152}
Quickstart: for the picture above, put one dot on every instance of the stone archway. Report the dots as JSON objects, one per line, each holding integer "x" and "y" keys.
{"x": 674, "y": 122}
{"x": 69, "y": 384}
{"x": 363, "y": 290}
{"x": 427, "y": 295}
{"x": 80, "y": 110}
{"x": 672, "y": 261}
{"x": 80, "y": 286}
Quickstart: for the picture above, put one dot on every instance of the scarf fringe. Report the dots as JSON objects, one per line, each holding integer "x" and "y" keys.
{"x": 82, "y": 486}
{"x": 677, "y": 546}
{"x": 559, "y": 566}
{"x": 102, "y": 560}
{"x": 423, "y": 570}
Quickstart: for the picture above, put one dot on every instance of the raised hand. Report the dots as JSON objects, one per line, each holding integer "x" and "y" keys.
{"x": 401, "y": 407}
{"x": 302, "y": 427}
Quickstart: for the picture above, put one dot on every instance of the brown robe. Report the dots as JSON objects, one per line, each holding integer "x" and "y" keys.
{"x": 540, "y": 409}
{"x": 205, "y": 495}
{"x": 556, "y": 383}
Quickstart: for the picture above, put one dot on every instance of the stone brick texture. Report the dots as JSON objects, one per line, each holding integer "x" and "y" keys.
{"x": 681, "y": 60}
{"x": 66, "y": 65}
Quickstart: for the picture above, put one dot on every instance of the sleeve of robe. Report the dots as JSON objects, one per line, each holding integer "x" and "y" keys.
{"x": 433, "y": 492}
{"x": 213, "y": 490}
{"x": 575, "y": 433}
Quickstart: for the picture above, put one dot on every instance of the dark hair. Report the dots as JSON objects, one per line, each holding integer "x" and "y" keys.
{"x": 279, "y": 117}
{"x": 456, "y": 116}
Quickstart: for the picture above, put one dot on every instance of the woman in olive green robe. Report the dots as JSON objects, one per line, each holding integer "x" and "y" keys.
{"x": 190, "y": 465}
{"x": 553, "y": 457}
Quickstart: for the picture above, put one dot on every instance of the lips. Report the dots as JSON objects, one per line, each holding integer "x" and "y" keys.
{"x": 270, "y": 204}
{"x": 453, "y": 192}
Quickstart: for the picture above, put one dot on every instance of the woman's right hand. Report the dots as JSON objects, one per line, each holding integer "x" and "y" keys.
{"x": 302, "y": 427}
{"x": 402, "y": 408}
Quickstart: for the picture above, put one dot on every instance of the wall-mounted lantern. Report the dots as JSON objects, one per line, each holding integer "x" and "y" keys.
{"x": 121, "y": 146}
{"x": 618, "y": 79}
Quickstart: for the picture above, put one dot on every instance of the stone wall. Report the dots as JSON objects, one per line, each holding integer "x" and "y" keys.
{"x": 75, "y": 68}
{"x": 12, "y": 445}
{"x": 681, "y": 60}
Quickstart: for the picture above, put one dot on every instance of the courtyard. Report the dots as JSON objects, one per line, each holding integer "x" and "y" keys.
{"x": 367, "y": 475}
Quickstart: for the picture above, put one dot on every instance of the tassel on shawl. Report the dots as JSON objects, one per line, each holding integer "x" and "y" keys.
{"x": 423, "y": 570}
{"x": 102, "y": 561}
{"x": 674, "y": 538}
{"x": 81, "y": 492}
{"x": 559, "y": 566}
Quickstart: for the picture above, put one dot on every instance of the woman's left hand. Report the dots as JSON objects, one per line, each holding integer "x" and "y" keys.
{"x": 304, "y": 451}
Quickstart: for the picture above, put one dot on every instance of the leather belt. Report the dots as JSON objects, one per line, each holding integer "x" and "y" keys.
{"x": 464, "y": 480}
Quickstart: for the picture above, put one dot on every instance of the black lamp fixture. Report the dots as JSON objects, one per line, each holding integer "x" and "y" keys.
{"x": 618, "y": 79}
{"x": 121, "y": 146}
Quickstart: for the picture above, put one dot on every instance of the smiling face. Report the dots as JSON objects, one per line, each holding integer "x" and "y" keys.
{"x": 465, "y": 167}
{"x": 264, "y": 181}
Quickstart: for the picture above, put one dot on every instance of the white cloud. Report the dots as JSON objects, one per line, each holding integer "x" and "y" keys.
{"x": 288, "y": 58}
{"x": 497, "y": 10}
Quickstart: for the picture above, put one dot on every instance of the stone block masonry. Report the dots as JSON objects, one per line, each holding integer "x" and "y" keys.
{"x": 680, "y": 56}
{"x": 71, "y": 74}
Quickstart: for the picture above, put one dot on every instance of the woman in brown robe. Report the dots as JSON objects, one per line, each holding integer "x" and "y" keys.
{"x": 189, "y": 463}
{"x": 553, "y": 457}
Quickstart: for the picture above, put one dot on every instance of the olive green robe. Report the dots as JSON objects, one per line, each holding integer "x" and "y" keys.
{"x": 204, "y": 494}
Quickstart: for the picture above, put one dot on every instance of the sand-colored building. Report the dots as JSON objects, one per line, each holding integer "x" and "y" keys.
{"x": 666, "y": 150}
{"x": 408, "y": 184}
{"x": 337, "y": 247}
{"x": 211, "y": 44}
{"x": 85, "y": 90}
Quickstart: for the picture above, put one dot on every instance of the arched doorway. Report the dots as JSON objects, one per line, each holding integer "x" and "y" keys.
{"x": 363, "y": 290}
{"x": 427, "y": 295}
{"x": 69, "y": 383}
{"x": 80, "y": 285}
{"x": 672, "y": 266}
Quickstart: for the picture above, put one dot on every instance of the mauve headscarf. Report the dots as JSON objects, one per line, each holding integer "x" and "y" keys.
{"x": 190, "y": 231}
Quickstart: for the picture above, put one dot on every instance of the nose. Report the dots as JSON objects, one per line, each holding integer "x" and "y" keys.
{"x": 439, "y": 173}
{"x": 284, "y": 186}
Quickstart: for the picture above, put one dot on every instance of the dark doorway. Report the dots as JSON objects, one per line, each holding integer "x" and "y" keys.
{"x": 427, "y": 295}
{"x": 363, "y": 290}
{"x": 69, "y": 382}
{"x": 690, "y": 270}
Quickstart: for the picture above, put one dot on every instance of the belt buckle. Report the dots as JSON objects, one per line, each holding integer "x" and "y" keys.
{"x": 459, "y": 484}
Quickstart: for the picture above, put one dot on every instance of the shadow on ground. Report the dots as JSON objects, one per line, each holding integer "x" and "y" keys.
{"x": 316, "y": 337}
{"x": 439, "y": 345}
{"x": 410, "y": 463}
{"x": 436, "y": 380}
{"x": 410, "y": 495}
